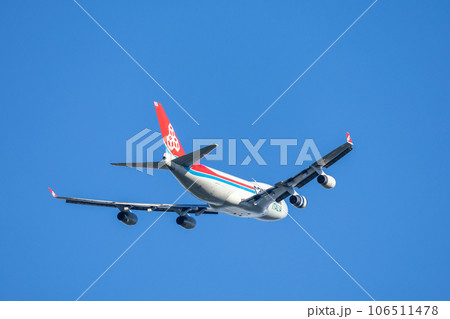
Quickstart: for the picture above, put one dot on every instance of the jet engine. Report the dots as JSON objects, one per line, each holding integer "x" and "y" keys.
{"x": 187, "y": 222}
{"x": 326, "y": 181}
{"x": 298, "y": 201}
{"x": 128, "y": 218}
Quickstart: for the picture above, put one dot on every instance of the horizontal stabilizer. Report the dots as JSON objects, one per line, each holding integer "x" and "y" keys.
{"x": 190, "y": 159}
{"x": 153, "y": 165}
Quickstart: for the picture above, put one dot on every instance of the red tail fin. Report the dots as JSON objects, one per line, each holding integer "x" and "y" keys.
{"x": 170, "y": 138}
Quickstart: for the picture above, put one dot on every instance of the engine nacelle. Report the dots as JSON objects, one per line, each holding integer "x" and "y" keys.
{"x": 298, "y": 201}
{"x": 128, "y": 218}
{"x": 186, "y": 222}
{"x": 326, "y": 181}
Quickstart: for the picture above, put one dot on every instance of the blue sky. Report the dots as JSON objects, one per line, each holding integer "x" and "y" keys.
{"x": 71, "y": 98}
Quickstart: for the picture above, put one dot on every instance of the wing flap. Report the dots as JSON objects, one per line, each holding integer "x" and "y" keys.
{"x": 334, "y": 155}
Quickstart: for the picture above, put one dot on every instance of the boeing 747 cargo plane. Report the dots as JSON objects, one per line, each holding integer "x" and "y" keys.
{"x": 221, "y": 192}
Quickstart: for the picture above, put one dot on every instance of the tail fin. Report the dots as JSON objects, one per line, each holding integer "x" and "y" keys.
{"x": 171, "y": 141}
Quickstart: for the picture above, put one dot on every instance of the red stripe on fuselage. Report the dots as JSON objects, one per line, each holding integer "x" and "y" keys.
{"x": 203, "y": 169}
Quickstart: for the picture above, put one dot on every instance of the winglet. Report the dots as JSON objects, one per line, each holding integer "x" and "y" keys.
{"x": 53, "y": 193}
{"x": 349, "y": 139}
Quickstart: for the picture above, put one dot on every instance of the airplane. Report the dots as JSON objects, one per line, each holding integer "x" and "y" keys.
{"x": 221, "y": 192}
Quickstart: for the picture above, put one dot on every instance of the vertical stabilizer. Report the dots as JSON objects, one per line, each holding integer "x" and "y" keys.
{"x": 171, "y": 140}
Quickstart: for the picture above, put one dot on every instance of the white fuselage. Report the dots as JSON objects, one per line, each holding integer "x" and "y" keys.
{"x": 228, "y": 193}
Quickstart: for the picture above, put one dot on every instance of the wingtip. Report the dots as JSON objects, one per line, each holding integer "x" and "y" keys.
{"x": 53, "y": 193}
{"x": 349, "y": 139}
{"x": 156, "y": 104}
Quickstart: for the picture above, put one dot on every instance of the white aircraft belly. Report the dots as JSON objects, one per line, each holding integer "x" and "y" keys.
{"x": 224, "y": 197}
{"x": 211, "y": 191}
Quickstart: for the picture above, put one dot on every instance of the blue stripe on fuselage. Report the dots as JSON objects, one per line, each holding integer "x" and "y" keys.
{"x": 220, "y": 180}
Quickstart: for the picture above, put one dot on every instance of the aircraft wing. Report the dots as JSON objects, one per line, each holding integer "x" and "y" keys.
{"x": 280, "y": 190}
{"x": 178, "y": 208}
